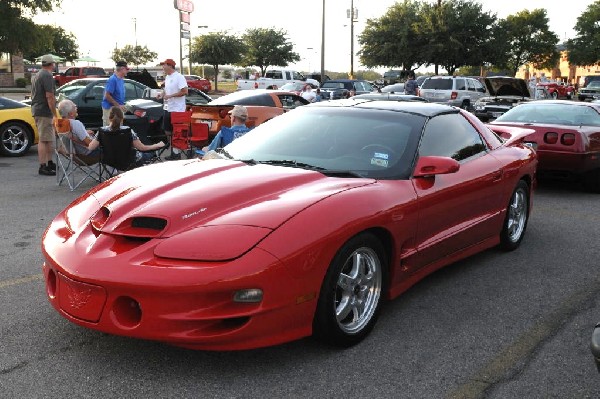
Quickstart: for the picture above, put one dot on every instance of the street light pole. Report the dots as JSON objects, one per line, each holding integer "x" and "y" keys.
{"x": 309, "y": 57}
{"x": 323, "y": 46}
{"x": 351, "y": 39}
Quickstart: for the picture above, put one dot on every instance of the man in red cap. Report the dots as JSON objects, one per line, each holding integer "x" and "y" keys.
{"x": 174, "y": 99}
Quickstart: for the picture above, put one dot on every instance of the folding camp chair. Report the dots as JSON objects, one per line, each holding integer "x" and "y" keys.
{"x": 116, "y": 151}
{"x": 72, "y": 167}
{"x": 188, "y": 135}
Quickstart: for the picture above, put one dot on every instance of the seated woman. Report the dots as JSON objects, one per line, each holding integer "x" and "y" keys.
{"x": 80, "y": 136}
{"x": 115, "y": 118}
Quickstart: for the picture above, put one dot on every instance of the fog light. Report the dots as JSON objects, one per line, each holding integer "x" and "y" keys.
{"x": 251, "y": 295}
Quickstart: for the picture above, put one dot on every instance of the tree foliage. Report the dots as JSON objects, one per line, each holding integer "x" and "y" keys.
{"x": 16, "y": 28}
{"x": 217, "y": 48}
{"x": 524, "y": 38}
{"x": 267, "y": 47}
{"x": 47, "y": 39}
{"x": 457, "y": 33}
{"x": 394, "y": 40}
{"x": 585, "y": 48}
{"x": 134, "y": 55}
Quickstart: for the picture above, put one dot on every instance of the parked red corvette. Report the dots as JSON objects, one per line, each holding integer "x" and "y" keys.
{"x": 293, "y": 230}
{"x": 567, "y": 136}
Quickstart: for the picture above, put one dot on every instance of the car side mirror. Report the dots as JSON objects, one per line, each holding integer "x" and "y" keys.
{"x": 433, "y": 165}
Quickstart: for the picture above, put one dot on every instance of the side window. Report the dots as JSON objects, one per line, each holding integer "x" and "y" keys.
{"x": 471, "y": 85}
{"x": 459, "y": 84}
{"x": 451, "y": 135}
{"x": 97, "y": 91}
{"x": 479, "y": 86}
{"x": 130, "y": 91}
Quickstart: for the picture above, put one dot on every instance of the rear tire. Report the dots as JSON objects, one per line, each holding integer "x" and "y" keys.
{"x": 351, "y": 295}
{"x": 554, "y": 95}
{"x": 515, "y": 221}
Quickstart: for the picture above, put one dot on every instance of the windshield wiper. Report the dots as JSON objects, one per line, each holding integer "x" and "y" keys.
{"x": 224, "y": 152}
{"x": 293, "y": 163}
{"x": 326, "y": 172}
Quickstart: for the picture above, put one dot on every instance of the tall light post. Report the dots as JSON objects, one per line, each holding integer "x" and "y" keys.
{"x": 202, "y": 27}
{"x": 352, "y": 14}
{"x": 309, "y": 57}
{"x": 323, "y": 45}
{"x": 135, "y": 30}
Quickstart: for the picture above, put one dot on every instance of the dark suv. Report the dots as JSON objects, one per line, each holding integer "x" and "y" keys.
{"x": 340, "y": 88}
{"x": 504, "y": 93}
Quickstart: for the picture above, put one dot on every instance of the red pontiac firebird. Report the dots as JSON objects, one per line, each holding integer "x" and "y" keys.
{"x": 303, "y": 226}
{"x": 567, "y": 137}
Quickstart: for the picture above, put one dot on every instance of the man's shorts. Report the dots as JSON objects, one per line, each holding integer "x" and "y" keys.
{"x": 166, "y": 124}
{"x": 45, "y": 128}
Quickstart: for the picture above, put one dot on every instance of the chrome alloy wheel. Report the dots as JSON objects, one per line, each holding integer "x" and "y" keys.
{"x": 358, "y": 290}
{"x": 517, "y": 215}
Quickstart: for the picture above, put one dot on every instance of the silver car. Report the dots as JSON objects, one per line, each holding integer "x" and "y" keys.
{"x": 457, "y": 91}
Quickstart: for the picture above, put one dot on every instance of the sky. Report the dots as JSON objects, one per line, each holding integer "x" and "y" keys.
{"x": 155, "y": 24}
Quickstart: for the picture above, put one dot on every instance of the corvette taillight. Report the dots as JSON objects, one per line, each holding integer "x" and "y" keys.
{"x": 551, "y": 138}
{"x": 567, "y": 139}
{"x": 140, "y": 113}
{"x": 453, "y": 95}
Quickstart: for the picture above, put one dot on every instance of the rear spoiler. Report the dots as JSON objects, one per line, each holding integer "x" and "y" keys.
{"x": 512, "y": 135}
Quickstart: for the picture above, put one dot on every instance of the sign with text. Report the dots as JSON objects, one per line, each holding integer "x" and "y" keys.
{"x": 185, "y": 34}
{"x": 184, "y": 17}
{"x": 185, "y": 26}
{"x": 184, "y": 5}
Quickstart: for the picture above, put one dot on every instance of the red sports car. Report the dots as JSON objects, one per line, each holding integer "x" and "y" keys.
{"x": 198, "y": 82}
{"x": 303, "y": 226}
{"x": 567, "y": 135}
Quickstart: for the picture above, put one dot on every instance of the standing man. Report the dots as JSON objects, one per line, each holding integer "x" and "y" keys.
{"x": 174, "y": 100}
{"x": 411, "y": 86}
{"x": 114, "y": 92}
{"x": 43, "y": 109}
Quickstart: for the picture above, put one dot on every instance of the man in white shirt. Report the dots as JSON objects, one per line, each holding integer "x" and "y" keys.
{"x": 176, "y": 89}
{"x": 308, "y": 94}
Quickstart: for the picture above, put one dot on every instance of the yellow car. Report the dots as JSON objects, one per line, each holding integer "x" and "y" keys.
{"x": 17, "y": 128}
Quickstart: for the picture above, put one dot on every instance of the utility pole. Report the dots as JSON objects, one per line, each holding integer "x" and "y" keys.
{"x": 323, "y": 46}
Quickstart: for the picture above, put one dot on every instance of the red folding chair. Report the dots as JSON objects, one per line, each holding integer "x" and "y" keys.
{"x": 181, "y": 122}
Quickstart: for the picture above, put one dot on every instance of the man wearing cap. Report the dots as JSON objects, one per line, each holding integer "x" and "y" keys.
{"x": 43, "y": 109}
{"x": 238, "y": 115}
{"x": 114, "y": 92}
{"x": 174, "y": 99}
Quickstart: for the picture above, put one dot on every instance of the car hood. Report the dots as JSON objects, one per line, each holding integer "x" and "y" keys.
{"x": 183, "y": 195}
{"x": 501, "y": 87}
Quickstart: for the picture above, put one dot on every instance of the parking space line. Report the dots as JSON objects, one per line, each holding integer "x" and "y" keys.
{"x": 23, "y": 280}
{"x": 508, "y": 362}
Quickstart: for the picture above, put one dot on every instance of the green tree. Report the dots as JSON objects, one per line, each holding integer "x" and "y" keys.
{"x": 51, "y": 39}
{"x": 394, "y": 39}
{"x": 457, "y": 33}
{"x": 217, "y": 48}
{"x": 267, "y": 47}
{"x": 585, "y": 48}
{"x": 524, "y": 38}
{"x": 15, "y": 27}
{"x": 134, "y": 55}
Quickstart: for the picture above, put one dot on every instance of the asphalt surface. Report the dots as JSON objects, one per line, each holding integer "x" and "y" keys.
{"x": 497, "y": 325}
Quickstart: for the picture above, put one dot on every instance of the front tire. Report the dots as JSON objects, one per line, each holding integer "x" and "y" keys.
{"x": 16, "y": 139}
{"x": 515, "y": 221}
{"x": 351, "y": 295}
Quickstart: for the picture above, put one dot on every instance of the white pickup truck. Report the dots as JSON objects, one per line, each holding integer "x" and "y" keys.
{"x": 274, "y": 79}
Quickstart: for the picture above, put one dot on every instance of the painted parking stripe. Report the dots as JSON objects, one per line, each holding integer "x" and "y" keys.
{"x": 23, "y": 280}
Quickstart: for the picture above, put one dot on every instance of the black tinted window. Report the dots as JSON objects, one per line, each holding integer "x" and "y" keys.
{"x": 437, "y": 84}
{"x": 460, "y": 84}
{"x": 450, "y": 136}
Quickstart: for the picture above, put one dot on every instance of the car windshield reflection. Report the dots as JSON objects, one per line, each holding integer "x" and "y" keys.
{"x": 350, "y": 142}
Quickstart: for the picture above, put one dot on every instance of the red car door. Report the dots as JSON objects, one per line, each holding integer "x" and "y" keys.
{"x": 459, "y": 209}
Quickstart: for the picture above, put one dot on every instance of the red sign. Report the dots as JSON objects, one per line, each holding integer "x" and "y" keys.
{"x": 184, "y": 17}
{"x": 184, "y": 5}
